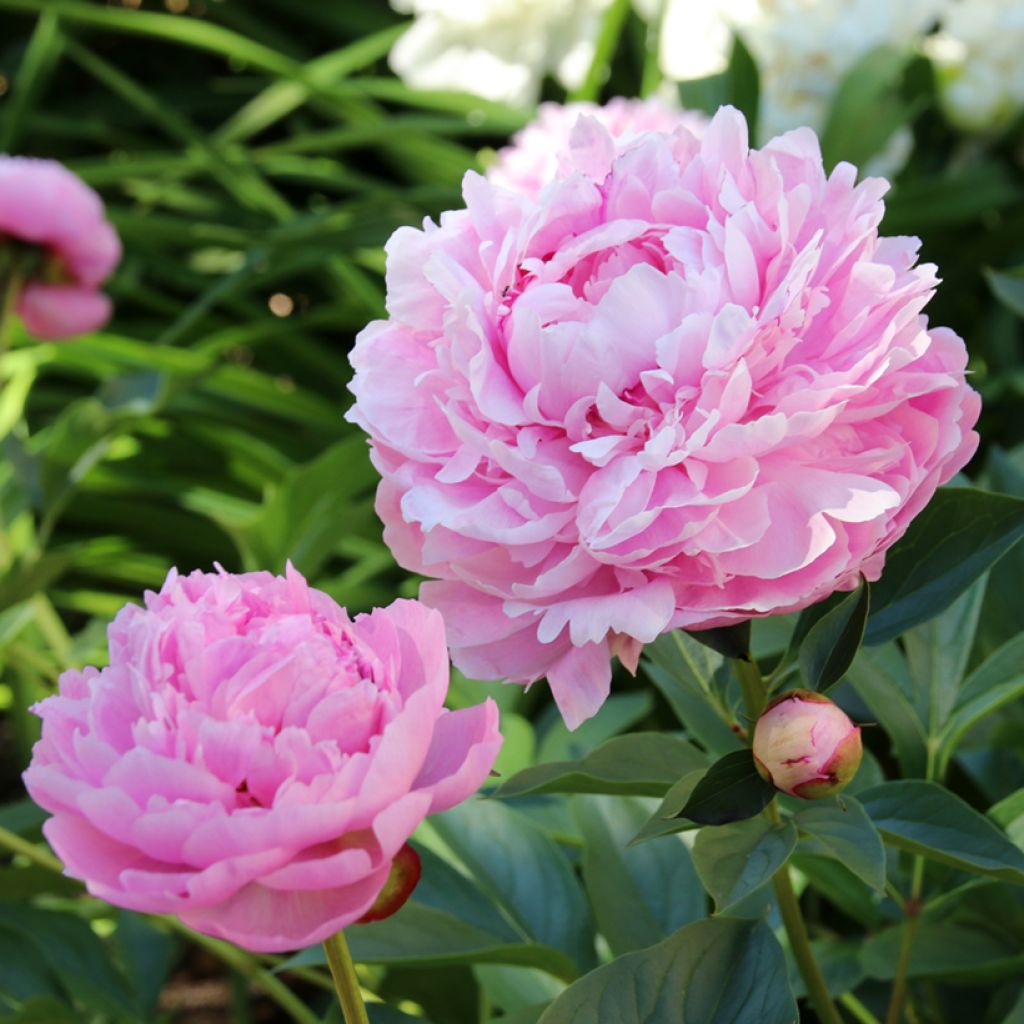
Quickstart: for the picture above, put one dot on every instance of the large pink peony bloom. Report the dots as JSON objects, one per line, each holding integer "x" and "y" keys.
{"x": 540, "y": 153}
{"x": 691, "y": 389}
{"x": 253, "y": 760}
{"x": 43, "y": 204}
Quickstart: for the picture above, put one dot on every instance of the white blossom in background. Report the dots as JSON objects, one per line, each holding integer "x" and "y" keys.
{"x": 803, "y": 48}
{"x": 979, "y": 56}
{"x": 497, "y": 49}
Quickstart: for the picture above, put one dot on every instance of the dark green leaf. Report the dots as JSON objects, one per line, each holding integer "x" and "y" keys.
{"x": 732, "y": 641}
{"x": 958, "y": 536}
{"x": 831, "y": 643}
{"x": 1008, "y": 287}
{"x": 924, "y": 818}
{"x": 720, "y": 971}
{"x": 665, "y": 821}
{"x": 840, "y": 963}
{"x": 730, "y": 790}
{"x": 639, "y": 895}
{"x": 734, "y": 860}
{"x": 638, "y": 764}
{"x": 744, "y": 83}
{"x": 840, "y": 828}
{"x": 524, "y": 871}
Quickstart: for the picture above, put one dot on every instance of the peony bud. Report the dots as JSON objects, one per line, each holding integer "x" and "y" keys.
{"x": 806, "y": 746}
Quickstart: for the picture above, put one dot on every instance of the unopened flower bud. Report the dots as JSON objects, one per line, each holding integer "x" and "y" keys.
{"x": 806, "y": 746}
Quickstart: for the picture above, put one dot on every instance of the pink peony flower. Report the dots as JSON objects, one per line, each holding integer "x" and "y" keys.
{"x": 806, "y": 746}
{"x": 685, "y": 386}
{"x": 540, "y": 152}
{"x": 253, "y": 760}
{"x": 44, "y": 204}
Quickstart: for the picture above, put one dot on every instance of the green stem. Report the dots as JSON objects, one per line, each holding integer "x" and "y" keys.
{"x": 755, "y": 695}
{"x": 857, "y": 1009}
{"x": 912, "y": 909}
{"x": 800, "y": 944}
{"x": 224, "y": 951}
{"x": 343, "y": 971}
{"x": 11, "y": 291}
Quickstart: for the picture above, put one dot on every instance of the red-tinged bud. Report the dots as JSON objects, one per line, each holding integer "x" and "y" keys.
{"x": 405, "y": 874}
{"x": 806, "y": 746}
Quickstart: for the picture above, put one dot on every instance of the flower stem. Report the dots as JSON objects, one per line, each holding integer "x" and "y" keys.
{"x": 800, "y": 944}
{"x": 912, "y": 909}
{"x": 12, "y": 283}
{"x": 755, "y": 695}
{"x": 346, "y": 984}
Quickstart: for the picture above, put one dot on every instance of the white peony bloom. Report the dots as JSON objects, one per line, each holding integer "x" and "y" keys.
{"x": 497, "y": 49}
{"x": 978, "y": 59}
{"x": 803, "y": 48}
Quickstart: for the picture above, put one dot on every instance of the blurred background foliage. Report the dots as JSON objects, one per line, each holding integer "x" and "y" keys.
{"x": 255, "y": 155}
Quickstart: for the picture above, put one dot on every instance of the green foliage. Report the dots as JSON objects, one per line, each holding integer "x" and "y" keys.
{"x": 255, "y": 158}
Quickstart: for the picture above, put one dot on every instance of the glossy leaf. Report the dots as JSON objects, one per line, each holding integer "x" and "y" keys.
{"x": 924, "y": 818}
{"x": 958, "y": 536}
{"x": 832, "y": 642}
{"x": 840, "y": 828}
{"x": 734, "y": 860}
{"x": 638, "y": 764}
{"x": 730, "y": 641}
{"x": 720, "y": 971}
{"x": 730, "y": 790}
{"x": 640, "y": 895}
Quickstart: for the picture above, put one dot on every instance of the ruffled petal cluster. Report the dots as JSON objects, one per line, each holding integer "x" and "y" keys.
{"x": 44, "y": 205}
{"x": 686, "y": 385}
{"x": 252, "y": 759}
{"x": 496, "y": 49}
{"x": 540, "y": 152}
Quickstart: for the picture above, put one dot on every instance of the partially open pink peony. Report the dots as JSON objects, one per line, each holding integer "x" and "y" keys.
{"x": 252, "y": 760}
{"x": 47, "y": 207}
{"x": 540, "y": 153}
{"x": 806, "y": 746}
{"x": 690, "y": 390}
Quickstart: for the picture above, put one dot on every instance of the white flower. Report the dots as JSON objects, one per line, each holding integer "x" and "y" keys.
{"x": 803, "y": 48}
{"x": 979, "y": 63}
{"x": 497, "y": 49}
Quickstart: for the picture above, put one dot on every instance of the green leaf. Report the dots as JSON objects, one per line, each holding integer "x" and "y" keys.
{"x": 730, "y": 641}
{"x": 881, "y": 679}
{"x": 832, "y": 642}
{"x": 665, "y": 821}
{"x": 938, "y": 652}
{"x": 867, "y": 108}
{"x": 996, "y": 682}
{"x": 840, "y": 887}
{"x": 422, "y": 936}
{"x": 955, "y": 539}
{"x": 926, "y": 819}
{"x": 730, "y": 790}
{"x": 841, "y": 829}
{"x": 840, "y": 963}
{"x": 639, "y": 895}
{"x": 720, "y": 971}
{"x": 621, "y": 711}
{"x": 946, "y": 952}
{"x": 1008, "y": 814}
{"x": 522, "y": 870}
{"x": 638, "y": 764}
{"x": 734, "y": 860}
{"x": 743, "y": 83}
{"x": 1008, "y": 287}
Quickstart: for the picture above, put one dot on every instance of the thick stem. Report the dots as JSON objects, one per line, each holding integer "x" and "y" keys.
{"x": 912, "y": 909}
{"x": 800, "y": 944}
{"x": 755, "y": 696}
{"x": 346, "y": 984}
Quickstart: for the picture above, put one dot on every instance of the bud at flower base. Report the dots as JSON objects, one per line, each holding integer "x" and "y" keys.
{"x": 806, "y": 746}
